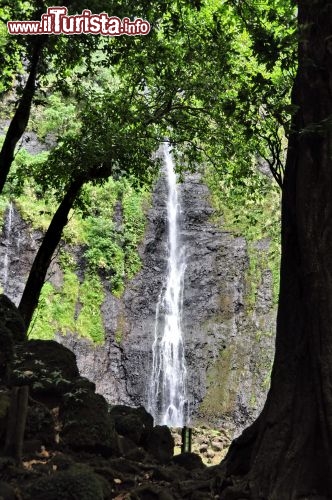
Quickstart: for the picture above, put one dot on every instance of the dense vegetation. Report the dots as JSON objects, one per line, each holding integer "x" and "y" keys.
{"x": 213, "y": 77}
{"x": 92, "y": 106}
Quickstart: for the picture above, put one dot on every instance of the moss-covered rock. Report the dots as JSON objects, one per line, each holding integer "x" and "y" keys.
{"x": 160, "y": 443}
{"x": 40, "y": 424}
{"x": 46, "y": 366}
{"x": 86, "y": 423}
{"x": 133, "y": 423}
{"x": 189, "y": 461}
{"x": 67, "y": 485}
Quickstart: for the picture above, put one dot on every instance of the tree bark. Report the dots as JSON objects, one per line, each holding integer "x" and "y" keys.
{"x": 17, "y": 416}
{"x": 287, "y": 453}
{"x": 20, "y": 119}
{"x": 37, "y": 275}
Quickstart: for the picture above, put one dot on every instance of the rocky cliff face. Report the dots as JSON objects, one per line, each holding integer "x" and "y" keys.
{"x": 18, "y": 246}
{"x": 229, "y": 344}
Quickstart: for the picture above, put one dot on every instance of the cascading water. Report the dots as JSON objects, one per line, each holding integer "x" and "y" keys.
{"x": 167, "y": 400}
{"x": 8, "y": 229}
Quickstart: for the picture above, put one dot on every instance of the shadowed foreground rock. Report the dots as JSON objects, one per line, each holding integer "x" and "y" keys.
{"x": 77, "y": 448}
{"x": 134, "y": 423}
{"x": 12, "y": 330}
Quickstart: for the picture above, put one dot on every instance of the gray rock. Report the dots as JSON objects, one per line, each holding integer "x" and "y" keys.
{"x": 228, "y": 345}
{"x": 217, "y": 446}
{"x": 133, "y": 423}
{"x": 160, "y": 443}
{"x": 86, "y": 424}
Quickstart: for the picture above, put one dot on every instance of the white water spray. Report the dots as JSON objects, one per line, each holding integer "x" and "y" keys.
{"x": 167, "y": 401}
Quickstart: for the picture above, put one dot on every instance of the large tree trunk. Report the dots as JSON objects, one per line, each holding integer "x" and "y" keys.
{"x": 37, "y": 275}
{"x": 17, "y": 415}
{"x": 20, "y": 119}
{"x": 287, "y": 453}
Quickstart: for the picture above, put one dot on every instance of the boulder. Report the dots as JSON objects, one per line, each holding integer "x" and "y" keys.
{"x": 189, "y": 461}
{"x": 86, "y": 424}
{"x": 54, "y": 357}
{"x": 217, "y": 446}
{"x": 160, "y": 443}
{"x": 126, "y": 448}
{"x": 47, "y": 367}
{"x": 67, "y": 485}
{"x": 39, "y": 424}
{"x": 133, "y": 423}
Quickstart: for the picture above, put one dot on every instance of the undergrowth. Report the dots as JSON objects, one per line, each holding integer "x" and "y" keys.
{"x": 250, "y": 207}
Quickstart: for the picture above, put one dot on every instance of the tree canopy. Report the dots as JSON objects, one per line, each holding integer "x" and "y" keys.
{"x": 214, "y": 79}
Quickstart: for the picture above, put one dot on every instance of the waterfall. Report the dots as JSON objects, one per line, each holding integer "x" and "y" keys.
{"x": 167, "y": 400}
{"x": 7, "y": 233}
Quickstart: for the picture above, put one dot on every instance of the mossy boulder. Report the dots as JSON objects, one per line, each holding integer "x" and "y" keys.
{"x": 133, "y": 423}
{"x": 40, "y": 424}
{"x": 86, "y": 423}
{"x": 189, "y": 461}
{"x": 160, "y": 443}
{"x": 46, "y": 366}
{"x": 67, "y": 485}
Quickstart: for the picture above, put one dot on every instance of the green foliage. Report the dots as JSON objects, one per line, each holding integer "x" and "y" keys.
{"x": 112, "y": 244}
{"x": 29, "y": 197}
{"x": 91, "y": 296}
{"x": 120, "y": 328}
{"x": 64, "y": 309}
{"x": 223, "y": 95}
{"x": 57, "y": 116}
{"x": 34, "y": 209}
{"x": 57, "y": 309}
{"x": 102, "y": 248}
{"x": 249, "y": 207}
{"x": 9, "y": 57}
{"x": 134, "y": 204}
{"x": 251, "y": 112}
{"x": 118, "y": 337}
{"x": 3, "y": 206}
{"x": 111, "y": 249}
{"x": 42, "y": 325}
